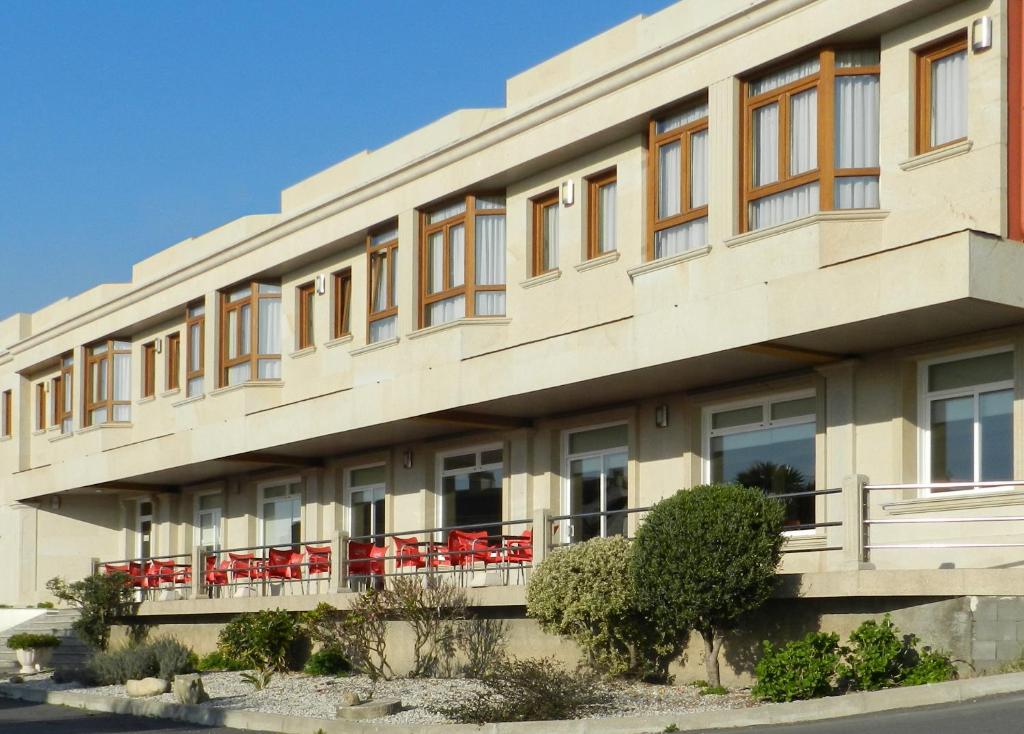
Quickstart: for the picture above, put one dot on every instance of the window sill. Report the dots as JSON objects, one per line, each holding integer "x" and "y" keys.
{"x": 60, "y": 437}
{"x": 837, "y": 215}
{"x": 242, "y": 385}
{"x": 667, "y": 262}
{"x": 970, "y": 499}
{"x": 384, "y": 343}
{"x": 304, "y": 352}
{"x": 170, "y": 393}
{"x": 39, "y": 432}
{"x": 475, "y": 321}
{"x": 53, "y": 428}
{"x": 192, "y": 399}
{"x": 104, "y": 427}
{"x": 934, "y": 156}
{"x": 541, "y": 279}
{"x": 337, "y": 342}
{"x": 595, "y": 262}
{"x": 147, "y": 399}
{"x": 6, "y": 438}
{"x": 801, "y": 539}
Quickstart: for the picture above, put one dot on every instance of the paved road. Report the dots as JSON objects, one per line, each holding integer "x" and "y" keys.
{"x": 22, "y": 717}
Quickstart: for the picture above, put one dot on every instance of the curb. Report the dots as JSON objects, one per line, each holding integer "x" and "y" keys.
{"x": 852, "y": 704}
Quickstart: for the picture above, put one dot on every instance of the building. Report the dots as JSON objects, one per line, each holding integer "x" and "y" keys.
{"x": 774, "y": 241}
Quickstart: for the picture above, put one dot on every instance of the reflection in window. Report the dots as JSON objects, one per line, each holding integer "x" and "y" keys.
{"x": 598, "y": 485}
{"x": 471, "y": 490}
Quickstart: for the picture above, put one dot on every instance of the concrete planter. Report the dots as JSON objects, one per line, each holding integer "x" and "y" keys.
{"x": 33, "y": 659}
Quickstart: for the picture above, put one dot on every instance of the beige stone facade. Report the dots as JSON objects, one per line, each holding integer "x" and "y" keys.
{"x": 843, "y": 311}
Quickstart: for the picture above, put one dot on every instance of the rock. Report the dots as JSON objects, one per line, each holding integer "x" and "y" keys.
{"x": 15, "y": 679}
{"x": 73, "y": 675}
{"x": 189, "y": 689}
{"x": 146, "y": 687}
{"x": 350, "y": 698}
{"x": 374, "y": 709}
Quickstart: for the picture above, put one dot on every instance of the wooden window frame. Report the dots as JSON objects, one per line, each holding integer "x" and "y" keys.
{"x": 826, "y": 173}
{"x": 149, "y": 369}
{"x": 595, "y": 183}
{"x": 469, "y": 287}
{"x": 251, "y": 353}
{"x": 305, "y": 313}
{"x": 195, "y": 319}
{"x": 65, "y": 399}
{"x": 6, "y": 419}
{"x": 387, "y": 253}
{"x": 923, "y": 89}
{"x": 341, "y": 321}
{"x": 683, "y": 135}
{"x": 538, "y": 205}
{"x": 106, "y": 362}
{"x": 41, "y": 407}
{"x": 172, "y": 368}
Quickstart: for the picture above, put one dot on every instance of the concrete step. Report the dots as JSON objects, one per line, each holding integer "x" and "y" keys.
{"x": 72, "y": 652}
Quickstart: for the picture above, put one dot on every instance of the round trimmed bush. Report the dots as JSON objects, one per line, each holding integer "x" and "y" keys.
{"x": 30, "y": 641}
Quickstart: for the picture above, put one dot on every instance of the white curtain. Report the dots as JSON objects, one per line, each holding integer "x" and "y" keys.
{"x": 490, "y": 250}
{"x": 681, "y": 238}
{"x": 268, "y": 369}
{"x": 856, "y": 192}
{"x": 457, "y": 255}
{"x": 856, "y": 140}
{"x": 490, "y": 202}
{"x": 270, "y": 326}
{"x": 380, "y": 282}
{"x": 382, "y": 329}
{"x": 803, "y": 132}
{"x": 122, "y": 386}
{"x": 245, "y": 324}
{"x": 449, "y": 210}
{"x": 668, "y": 180}
{"x": 195, "y": 386}
{"x": 550, "y": 253}
{"x": 435, "y": 262}
{"x": 381, "y": 237}
{"x": 606, "y": 218}
{"x": 490, "y": 303}
{"x": 949, "y": 98}
{"x": 239, "y": 373}
{"x": 784, "y": 76}
{"x": 766, "y": 144}
{"x": 681, "y": 118}
{"x": 194, "y": 348}
{"x": 447, "y": 310}
{"x": 784, "y": 206}
{"x": 699, "y": 169}
{"x": 854, "y": 57}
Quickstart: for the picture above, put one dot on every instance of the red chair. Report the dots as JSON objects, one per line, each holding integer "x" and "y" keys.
{"x": 216, "y": 574}
{"x": 409, "y": 555}
{"x": 518, "y": 550}
{"x": 138, "y": 578}
{"x": 359, "y": 560}
{"x": 246, "y": 566}
{"x": 318, "y": 561}
{"x": 377, "y": 555}
{"x": 283, "y": 564}
{"x": 109, "y": 569}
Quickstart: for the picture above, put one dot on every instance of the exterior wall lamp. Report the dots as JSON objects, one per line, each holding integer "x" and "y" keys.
{"x": 568, "y": 192}
{"x": 661, "y": 416}
{"x": 321, "y": 284}
{"x": 981, "y": 33}
{"x": 407, "y": 459}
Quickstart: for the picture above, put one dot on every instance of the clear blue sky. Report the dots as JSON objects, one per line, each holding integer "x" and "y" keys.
{"x": 128, "y": 126}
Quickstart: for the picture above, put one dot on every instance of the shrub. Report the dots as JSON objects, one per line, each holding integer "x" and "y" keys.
{"x": 932, "y": 667}
{"x": 877, "y": 657}
{"x": 44, "y": 605}
{"x": 360, "y": 633}
{"x": 217, "y": 660}
{"x": 29, "y": 641}
{"x": 260, "y": 640}
{"x": 801, "y": 669}
{"x": 431, "y": 609}
{"x": 162, "y": 658}
{"x": 706, "y": 557}
{"x": 100, "y": 599}
{"x": 533, "y": 689}
{"x": 586, "y": 592}
{"x": 328, "y": 661}
{"x": 482, "y": 641}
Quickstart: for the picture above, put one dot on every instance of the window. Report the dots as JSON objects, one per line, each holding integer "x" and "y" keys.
{"x": 306, "y": 295}
{"x": 207, "y": 521}
{"x": 597, "y": 461}
{"x": 195, "y": 332}
{"x": 366, "y": 504}
{"x": 678, "y": 169}
{"x": 767, "y": 444}
{"x": 250, "y": 333}
{"x": 811, "y": 138}
{"x": 173, "y": 366}
{"x": 471, "y": 490}
{"x": 462, "y": 260}
{"x": 149, "y": 370}
{"x": 64, "y": 394}
{"x": 108, "y": 376}
{"x": 601, "y": 214}
{"x": 942, "y": 94}
{"x": 41, "y": 406}
{"x": 967, "y": 415}
{"x": 545, "y": 233}
{"x": 144, "y": 529}
{"x": 382, "y": 275}
{"x": 342, "y": 303}
{"x": 6, "y": 416}
{"x": 281, "y": 515}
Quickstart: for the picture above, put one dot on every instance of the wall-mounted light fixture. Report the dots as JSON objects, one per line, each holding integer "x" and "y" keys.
{"x": 321, "y": 284}
{"x": 55, "y": 503}
{"x": 568, "y": 192}
{"x": 407, "y": 459}
{"x": 981, "y": 33}
{"x": 159, "y": 344}
{"x": 661, "y": 416}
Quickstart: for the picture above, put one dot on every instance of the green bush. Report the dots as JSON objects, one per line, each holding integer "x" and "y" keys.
{"x": 534, "y": 689}
{"x": 932, "y": 667}
{"x": 44, "y": 605}
{"x": 799, "y": 670}
{"x": 260, "y": 640}
{"x": 217, "y": 661}
{"x": 587, "y": 593}
{"x": 100, "y": 599}
{"x": 327, "y": 661}
{"x": 878, "y": 657}
{"x": 29, "y": 641}
{"x": 162, "y": 658}
{"x": 706, "y": 557}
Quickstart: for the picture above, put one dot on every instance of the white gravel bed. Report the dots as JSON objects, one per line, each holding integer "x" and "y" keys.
{"x": 297, "y": 694}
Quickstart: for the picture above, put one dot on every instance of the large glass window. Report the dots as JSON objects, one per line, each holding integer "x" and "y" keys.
{"x": 250, "y": 333}
{"x": 601, "y": 219}
{"x": 545, "y": 233}
{"x": 281, "y": 515}
{"x": 342, "y": 316}
{"x": 207, "y": 522}
{"x": 811, "y": 138}
{"x": 597, "y": 482}
{"x": 6, "y": 416}
{"x": 768, "y": 445}
{"x": 471, "y": 489}
{"x": 968, "y": 419}
{"x": 195, "y": 332}
{"x": 108, "y": 378}
{"x": 144, "y": 530}
{"x": 366, "y": 492}
{"x": 942, "y": 94}
{"x": 678, "y": 169}
{"x": 382, "y": 251}
{"x": 462, "y": 260}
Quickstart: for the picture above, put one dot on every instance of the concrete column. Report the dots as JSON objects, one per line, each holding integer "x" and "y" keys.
{"x": 198, "y": 571}
{"x": 855, "y": 556}
{"x": 541, "y": 535}
{"x": 405, "y": 295}
{"x": 840, "y": 448}
{"x": 210, "y": 359}
{"x": 723, "y": 184}
{"x": 26, "y": 560}
{"x": 339, "y": 562}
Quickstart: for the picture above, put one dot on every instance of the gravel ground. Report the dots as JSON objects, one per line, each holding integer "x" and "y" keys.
{"x": 297, "y": 694}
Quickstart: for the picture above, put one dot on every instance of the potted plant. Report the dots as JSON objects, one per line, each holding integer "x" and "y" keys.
{"x": 33, "y": 650}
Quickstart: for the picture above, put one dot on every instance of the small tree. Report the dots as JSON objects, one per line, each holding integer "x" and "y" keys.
{"x": 100, "y": 599}
{"x": 706, "y": 557}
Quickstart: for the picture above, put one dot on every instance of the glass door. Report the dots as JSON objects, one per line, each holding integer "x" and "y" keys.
{"x": 366, "y": 504}
{"x": 597, "y": 486}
